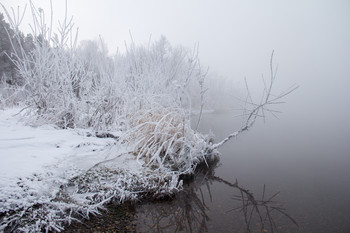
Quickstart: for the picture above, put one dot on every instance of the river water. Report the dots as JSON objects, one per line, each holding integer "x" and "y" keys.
{"x": 306, "y": 160}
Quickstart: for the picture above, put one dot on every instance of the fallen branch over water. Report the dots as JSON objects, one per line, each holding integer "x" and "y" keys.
{"x": 252, "y": 110}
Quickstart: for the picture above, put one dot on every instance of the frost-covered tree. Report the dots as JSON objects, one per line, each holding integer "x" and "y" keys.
{"x": 7, "y": 44}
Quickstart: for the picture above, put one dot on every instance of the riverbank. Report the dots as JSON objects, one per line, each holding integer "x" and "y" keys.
{"x": 117, "y": 218}
{"x": 51, "y": 176}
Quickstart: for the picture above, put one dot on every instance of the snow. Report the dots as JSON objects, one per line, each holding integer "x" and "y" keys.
{"x": 25, "y": 150}
{"x": 37, "y": 161}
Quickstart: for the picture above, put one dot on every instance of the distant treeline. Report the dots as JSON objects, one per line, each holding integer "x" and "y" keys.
{"x": 8, "y": 43}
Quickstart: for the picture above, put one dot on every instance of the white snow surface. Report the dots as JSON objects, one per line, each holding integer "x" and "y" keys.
{"x": 27, "y": 150}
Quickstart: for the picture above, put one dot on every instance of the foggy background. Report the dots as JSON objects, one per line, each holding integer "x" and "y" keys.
{"x": 305, "y": 154}
{"x": 311, "y": 40}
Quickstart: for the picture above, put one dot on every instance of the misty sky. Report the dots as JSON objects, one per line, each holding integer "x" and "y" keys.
{"x": 311, "y": 39}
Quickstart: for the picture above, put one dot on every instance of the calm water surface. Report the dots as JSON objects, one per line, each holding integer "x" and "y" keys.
{"x": 306, "y": 161}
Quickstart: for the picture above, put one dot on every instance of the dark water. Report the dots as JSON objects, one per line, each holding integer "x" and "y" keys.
{"x": 306, "y": 161}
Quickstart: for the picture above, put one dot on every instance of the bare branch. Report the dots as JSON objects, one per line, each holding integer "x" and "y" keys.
{"x": 259, "y": 110}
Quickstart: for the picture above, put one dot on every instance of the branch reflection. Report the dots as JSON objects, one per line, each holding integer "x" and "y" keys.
{"x": 188, "y": 211}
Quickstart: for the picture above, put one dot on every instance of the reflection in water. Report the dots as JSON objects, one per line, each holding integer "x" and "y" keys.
{"x": 188, "y": 211}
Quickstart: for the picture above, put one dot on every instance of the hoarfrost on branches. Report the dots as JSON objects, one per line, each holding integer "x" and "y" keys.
{"x": 140, "y": 100}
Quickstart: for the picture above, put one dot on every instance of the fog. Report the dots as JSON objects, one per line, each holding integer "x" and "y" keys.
{"x": 308, "y": 145}
{"x": 236, "y": 38}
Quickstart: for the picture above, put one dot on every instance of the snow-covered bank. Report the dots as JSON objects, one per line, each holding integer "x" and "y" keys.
{"x": 47, "y": 175}
{"x": 25, "y": 150}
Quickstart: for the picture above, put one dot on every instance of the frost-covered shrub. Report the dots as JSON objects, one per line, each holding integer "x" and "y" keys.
{"x": 156, "y": 75}
{"x": 145, "y": 92}
{"x": 9, "y": 95}
{"x": 83, "y": 87}
{"x": 164, "y": 139}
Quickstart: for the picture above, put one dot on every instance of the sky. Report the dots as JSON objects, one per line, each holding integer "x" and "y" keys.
{"x": 311, "y": 39}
